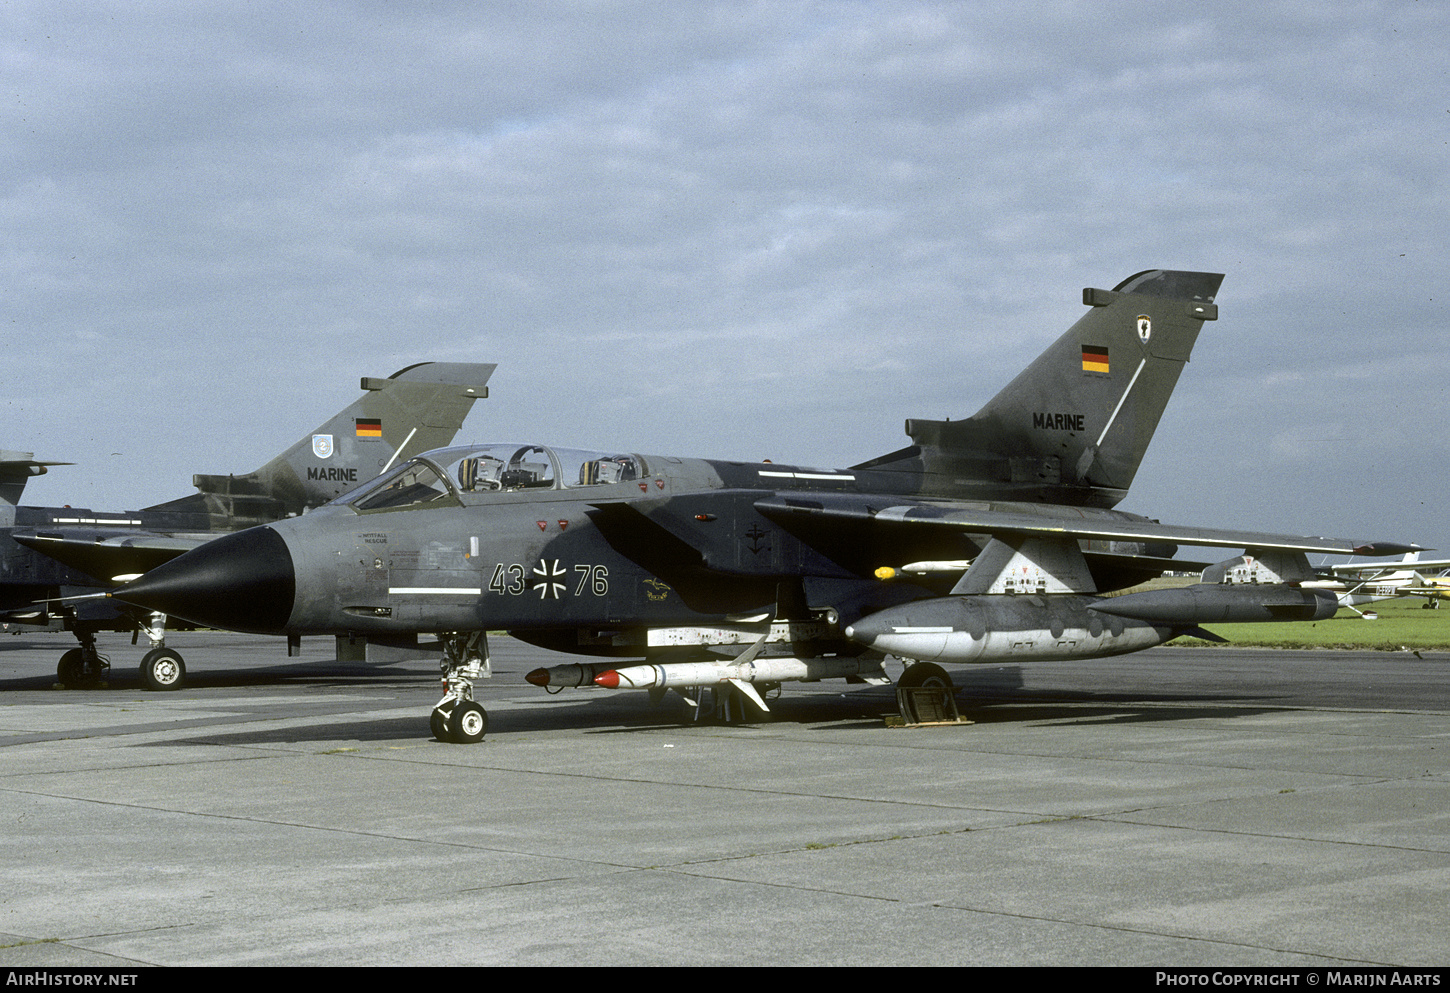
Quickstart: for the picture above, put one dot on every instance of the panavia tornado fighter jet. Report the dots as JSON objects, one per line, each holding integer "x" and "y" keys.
{"x": 56, "y": 562}
{"x": 987, "y": 539}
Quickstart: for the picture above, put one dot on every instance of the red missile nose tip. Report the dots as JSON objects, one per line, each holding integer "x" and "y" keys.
{"x": 539, "y": 677}
{"x": 609, "y": 680}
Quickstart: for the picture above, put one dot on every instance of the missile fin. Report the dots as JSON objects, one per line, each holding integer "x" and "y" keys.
{"x": 1203, "y": 634}
{"x": 749, "y": 691}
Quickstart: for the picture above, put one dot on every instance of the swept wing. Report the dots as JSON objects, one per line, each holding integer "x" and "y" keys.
{"x": 830, "y": 520}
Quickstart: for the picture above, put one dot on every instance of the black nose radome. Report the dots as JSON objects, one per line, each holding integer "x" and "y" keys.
{"x": 239, "y": 582}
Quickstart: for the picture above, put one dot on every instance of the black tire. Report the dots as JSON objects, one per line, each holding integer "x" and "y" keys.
{"x": 71, "y": 673}
{"x": 467, "y": 724}
{"x": 925, "y": 674}
{"x": 163, "y": 669}
{"x": 438, "y": 724}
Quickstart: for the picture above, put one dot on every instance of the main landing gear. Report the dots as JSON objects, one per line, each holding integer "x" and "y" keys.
{"x": 925, "y": 696}
{"x": 457, "y": 718}
{"x": 924, "y": 674}
{"x": 85, "y": 667}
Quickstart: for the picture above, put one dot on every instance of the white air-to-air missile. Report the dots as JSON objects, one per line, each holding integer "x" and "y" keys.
{"x": 779, "y": 669}
{"x": 746, "y": 675}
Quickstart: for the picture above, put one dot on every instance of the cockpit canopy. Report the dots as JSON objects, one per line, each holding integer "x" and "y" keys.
{"x": 448, "y": 473}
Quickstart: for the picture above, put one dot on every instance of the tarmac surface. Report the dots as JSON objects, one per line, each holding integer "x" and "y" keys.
{"x": 1175, "y": 808}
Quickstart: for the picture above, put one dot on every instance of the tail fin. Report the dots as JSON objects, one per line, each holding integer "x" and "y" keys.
{"x": 16, "y": 468}
{"x": 416, "y": 409}
{"x": 1073, "y": 426}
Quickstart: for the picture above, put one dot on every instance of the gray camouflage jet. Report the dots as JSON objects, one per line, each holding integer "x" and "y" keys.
{"x": 53, "y": 560}
{"x": 987, "y": 539}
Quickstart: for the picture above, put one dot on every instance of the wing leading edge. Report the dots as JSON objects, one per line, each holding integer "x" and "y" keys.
{"x": 1082, "y": 523}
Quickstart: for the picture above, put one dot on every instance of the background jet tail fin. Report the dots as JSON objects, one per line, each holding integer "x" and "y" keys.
{"x": 1073, "y": 426}
{"x": 16, "y": 469}
{"x": 414, "y": 410}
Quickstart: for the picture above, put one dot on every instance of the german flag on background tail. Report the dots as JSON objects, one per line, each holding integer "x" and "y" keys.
{"x": 369, "y": 427}
{"x": 1094, "y": 358}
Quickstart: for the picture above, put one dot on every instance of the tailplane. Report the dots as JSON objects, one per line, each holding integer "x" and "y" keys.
{"x": 16, "y": 468}
{"x": 414, "y": 410}
{"x": 1073, "y": 426}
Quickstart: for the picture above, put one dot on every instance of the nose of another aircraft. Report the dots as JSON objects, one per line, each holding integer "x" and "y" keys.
{"x": 241, "y": 582}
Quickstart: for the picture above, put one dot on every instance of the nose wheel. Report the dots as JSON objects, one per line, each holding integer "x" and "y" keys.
{"x": 457, "y": 718}
{"x": 464, "y": 724}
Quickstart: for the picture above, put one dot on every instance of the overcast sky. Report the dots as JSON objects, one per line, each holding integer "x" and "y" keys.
{"x": 732, "y": 230}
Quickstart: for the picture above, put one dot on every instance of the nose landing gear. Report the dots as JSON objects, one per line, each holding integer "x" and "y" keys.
{"x": 457, "y": 718}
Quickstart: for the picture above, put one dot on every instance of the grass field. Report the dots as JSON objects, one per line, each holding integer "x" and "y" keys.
{"x": 1402, "y": 624}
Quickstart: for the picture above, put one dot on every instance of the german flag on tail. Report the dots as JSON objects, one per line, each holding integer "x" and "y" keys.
{"x": 369, "y": 427}
{"x": 1095, "y": 358}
